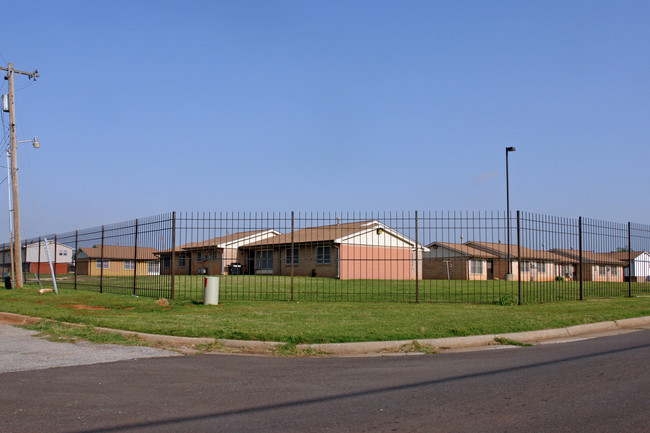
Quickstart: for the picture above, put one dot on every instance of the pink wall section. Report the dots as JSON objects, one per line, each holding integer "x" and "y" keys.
{"x": 376, "y": 263}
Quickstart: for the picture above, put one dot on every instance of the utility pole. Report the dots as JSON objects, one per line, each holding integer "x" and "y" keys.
{"x": 13, "y": 146}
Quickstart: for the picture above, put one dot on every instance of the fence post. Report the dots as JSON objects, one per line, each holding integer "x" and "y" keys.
{"x": 291, "y": 254}
{"x": 518, "y": 261}
{"x": 24, "y": 262}
{"x": 135, "y": 257}
{"x": 54, "y": 254}
{"x": 76, "y": 249}
{"x": 38, "y": 267}
{"x": 629, "y": 259}
{"x": 417, "y": 268}
{"x": 101, "y": 266}
{"x": 173, "y": 262}
{"x": 580, "y": 254}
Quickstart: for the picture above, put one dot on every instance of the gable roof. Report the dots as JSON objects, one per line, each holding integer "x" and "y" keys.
{"x": 335, "y": 233}
{"x": 116, "y": 252}
{"x": 592, "y": 257}
{"x": 463, "y": 249}
{"x": 624, "y": 255}
{"x": 526, "y": 253}
{"x": 230, "y": 240}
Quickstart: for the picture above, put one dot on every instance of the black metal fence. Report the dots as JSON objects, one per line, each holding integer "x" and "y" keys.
{"x": 385, "y": 256}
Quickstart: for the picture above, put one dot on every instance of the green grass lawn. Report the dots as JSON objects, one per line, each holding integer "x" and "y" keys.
{"x": 312, "y": 322}
{"x": 278, "y": 288}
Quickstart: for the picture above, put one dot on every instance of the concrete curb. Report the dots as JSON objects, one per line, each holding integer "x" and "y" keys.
{"x": 474, "y": 340}
{"x": 364, "y": 348}
{"x": 19, "y": 319}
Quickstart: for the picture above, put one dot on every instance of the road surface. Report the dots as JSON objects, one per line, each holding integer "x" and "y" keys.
{"x": 595, "y": 385}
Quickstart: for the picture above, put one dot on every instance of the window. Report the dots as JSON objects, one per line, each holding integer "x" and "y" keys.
{"x": 567, "y": 271}
{"x": 167, "y": 262}
{"x": 525, "y": 266}
{"x": 264, "y": 259}
{"x": 129, "y": 265}
{"x": 614, "y": 271}
{"x": 103, "y": 264}
{"x": 181, "y": 260}
{"x": 541, "y": 267}
{"x": 153, "y": 268}
{"x": 324, "y": 255}
{"x": 602, "y": 270}
{"x": 476, "y": 267}
{"x": 63, "y": 253}
{"x": 296, "y": 256}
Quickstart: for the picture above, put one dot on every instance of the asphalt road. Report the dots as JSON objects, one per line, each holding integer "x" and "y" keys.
{"x": 596, "y": 385}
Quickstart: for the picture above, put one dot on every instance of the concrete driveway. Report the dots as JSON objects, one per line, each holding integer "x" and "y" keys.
{"x": 20, "y": 350}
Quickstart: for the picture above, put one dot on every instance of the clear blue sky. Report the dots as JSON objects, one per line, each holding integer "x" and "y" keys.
{"x": 145, "y": 107}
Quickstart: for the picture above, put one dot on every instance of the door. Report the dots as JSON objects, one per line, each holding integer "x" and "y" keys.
{"x": 490, "y": 270}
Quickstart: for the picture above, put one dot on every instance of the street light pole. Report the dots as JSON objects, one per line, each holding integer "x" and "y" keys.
{"x": 508, "y": 150}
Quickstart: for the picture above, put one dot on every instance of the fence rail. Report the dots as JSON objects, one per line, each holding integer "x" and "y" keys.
{"x": 391, "y": 256}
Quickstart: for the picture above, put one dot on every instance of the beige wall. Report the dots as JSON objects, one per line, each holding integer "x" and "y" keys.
{"x": 377, "y": 263}
{"x": 115, "y": 268}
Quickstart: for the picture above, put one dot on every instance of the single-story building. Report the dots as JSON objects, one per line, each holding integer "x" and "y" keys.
{"x": 449, "y": 261}
{"x": 536, "y": 265}
{"x": 603, "y": 267}
{"x": 640, "y": 272}
{"x": 211, "y": 257}
{"x": 115, "y": 260}
{"x": 357, "y": 250}
{"x": 34, "y": 262}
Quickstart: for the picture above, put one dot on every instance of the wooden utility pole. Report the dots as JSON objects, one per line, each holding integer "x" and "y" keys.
{"x": 13, "y": 146}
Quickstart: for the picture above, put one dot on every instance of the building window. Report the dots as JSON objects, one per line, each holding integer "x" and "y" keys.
{"x": 614, "y": 271}
{"x": 296, "y": 256}
{"x": 153, "y": 268}
{"x": 476, "y": 267}
{"x": 324, "y": 255}
{"x": 181, "y": 260}
{"x": 129, "y": 265}
{"x": 103, "y": 264}
{"x": 525, "y": 266}
{"x": 541, "y": 267}
{"x": 264, "y": 259}
{"x": 63, "y": 253}
{"x": 602, "y": 270}
{"x": 167, "y": 262}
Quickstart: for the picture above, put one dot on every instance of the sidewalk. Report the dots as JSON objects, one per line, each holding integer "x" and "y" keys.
{"x": 191, "y": 345}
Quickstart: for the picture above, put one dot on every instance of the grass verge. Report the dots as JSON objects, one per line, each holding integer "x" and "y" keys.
{"x": 311, "y": 322}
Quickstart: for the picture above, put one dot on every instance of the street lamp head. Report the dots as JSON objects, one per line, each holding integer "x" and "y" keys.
{"x": 36, "y": 144}
{"x": 510, "y": 149}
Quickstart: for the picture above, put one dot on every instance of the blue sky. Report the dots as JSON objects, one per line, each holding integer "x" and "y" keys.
{"x": 145, "y": 107}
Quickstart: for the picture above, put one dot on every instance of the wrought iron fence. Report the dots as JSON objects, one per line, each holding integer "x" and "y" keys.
{"x": 372, "y": 256}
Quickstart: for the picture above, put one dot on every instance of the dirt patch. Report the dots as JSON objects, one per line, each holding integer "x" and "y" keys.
{"x": 85, "y": 307}
{"x": 162, "y": 302}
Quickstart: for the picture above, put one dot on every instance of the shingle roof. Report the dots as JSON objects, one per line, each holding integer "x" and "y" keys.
{"x": 463, "y": 249}
{"x": 624, "y": 255}
{"x": 319, "y": 234}
{"x": 216, "y": 242}
{"x": 526, "y": 253}
{"x": 115, "y": 252}
{"x": 591, "y": 257}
